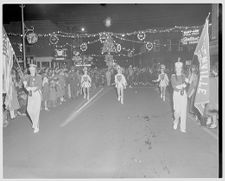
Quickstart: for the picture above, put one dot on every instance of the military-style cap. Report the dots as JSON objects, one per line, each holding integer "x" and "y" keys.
{"x": 32, "y": 66}
{"x": 162, "y": 66}
{"x": 178, "y": 65}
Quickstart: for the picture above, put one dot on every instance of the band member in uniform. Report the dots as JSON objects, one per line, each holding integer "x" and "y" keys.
{"x": 163, "y": 82}
{"x": 178, "y": 82}
{"x": 86, "y": 83}
{"x": 121, "y": 83}
{"x": 33, "y": 84}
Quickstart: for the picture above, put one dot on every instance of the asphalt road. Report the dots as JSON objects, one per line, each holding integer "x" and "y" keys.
{"x": 104, "y": 139}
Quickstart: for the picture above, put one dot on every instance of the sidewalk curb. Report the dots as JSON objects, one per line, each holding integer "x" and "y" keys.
{"x": 204, "y": 128}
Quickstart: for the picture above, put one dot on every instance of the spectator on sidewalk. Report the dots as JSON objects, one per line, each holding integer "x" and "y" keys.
{"x": 13, "y": 104}
{"x": 130, "y": 76}
{"x": 45, "y": 91}
{"x": 211, "y": 109}
{"x": 193, "y": 83}
{"x": 108, "y": 77}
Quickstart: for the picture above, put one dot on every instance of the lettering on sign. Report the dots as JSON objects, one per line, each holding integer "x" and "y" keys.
{"x": 190, "y": 37}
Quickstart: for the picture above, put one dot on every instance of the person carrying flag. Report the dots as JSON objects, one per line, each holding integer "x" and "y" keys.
{"x": 178, "y": 81}
{"x": 33, "y": 85}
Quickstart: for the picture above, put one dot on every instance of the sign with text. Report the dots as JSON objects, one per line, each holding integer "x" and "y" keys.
{"x": 202, "y": 51}
{"x": 190, "y": 37}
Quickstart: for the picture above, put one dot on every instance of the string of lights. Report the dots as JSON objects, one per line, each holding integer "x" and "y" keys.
{"x": 87, "y": 35}
{"x": 188, "y": 33}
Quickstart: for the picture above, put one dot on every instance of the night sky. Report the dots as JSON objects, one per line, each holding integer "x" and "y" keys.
{"x": 125, "y": 17}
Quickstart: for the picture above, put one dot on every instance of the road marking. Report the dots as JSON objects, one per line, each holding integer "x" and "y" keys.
{"x": 71, "y": 117}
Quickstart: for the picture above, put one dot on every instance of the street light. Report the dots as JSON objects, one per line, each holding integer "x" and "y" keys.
{"x": 25, "y": 30}
{"x": 83, "y": 29}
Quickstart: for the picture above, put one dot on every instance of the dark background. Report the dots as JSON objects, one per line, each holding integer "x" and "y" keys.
{"x": 125, "y": 17}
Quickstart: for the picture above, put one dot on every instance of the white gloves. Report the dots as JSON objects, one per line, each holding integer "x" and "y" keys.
{"x": 31, "y": 88}
{"x": 181, "y": 86}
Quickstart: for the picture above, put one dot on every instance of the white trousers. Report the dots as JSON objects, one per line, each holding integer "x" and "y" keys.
{"x": 34, "y": 107}
{"x": 180, "y": 109}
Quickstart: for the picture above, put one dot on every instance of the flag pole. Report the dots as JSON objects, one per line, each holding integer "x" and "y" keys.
{"x": 207, "y": 18}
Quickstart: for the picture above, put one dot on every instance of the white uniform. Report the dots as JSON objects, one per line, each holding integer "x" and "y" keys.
{"x": 120, "y": 83}
{"x": 163, "y": 80}
{"x": 85, "y": 81}
{"x": 179, "y": 101}
{"x": 86, "y": 84}
{"x": 34, "y": 85}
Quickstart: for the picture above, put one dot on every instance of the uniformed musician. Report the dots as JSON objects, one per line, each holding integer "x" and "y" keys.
{"x": 178, "y": 82}
{"x": 33, "y": 84}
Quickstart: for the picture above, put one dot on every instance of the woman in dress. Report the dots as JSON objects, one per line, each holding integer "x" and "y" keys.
{"x": 62, "y": 85}
{"x": 45, "y": 91}
{"x": 52, "y": 91}
{"x": 14, "y": 104}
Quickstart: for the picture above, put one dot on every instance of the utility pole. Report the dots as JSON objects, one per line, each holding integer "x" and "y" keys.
{"x": 23, "y": 32}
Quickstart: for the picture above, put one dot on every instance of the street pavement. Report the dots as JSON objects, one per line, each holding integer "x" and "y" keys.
{"x": 105, "y": 139}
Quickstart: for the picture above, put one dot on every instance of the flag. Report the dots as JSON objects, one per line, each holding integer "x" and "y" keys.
{"x": 7, "y": 64}
{"x": 202, "y": 52}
